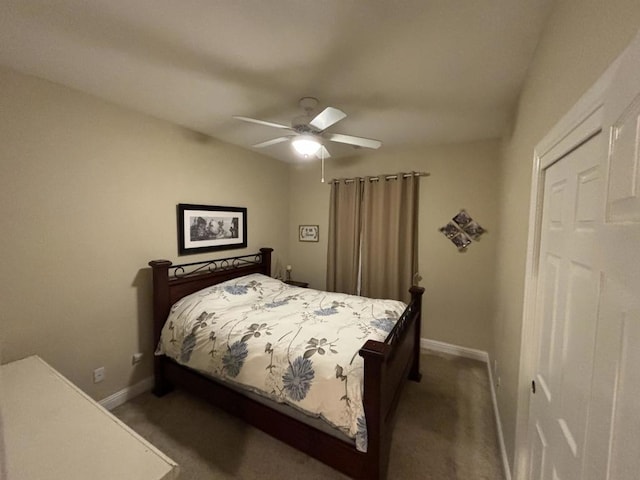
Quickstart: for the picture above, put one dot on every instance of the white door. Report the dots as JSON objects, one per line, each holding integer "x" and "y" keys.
{"x": 584, "y": 419}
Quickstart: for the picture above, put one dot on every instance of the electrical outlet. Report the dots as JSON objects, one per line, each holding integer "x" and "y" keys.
{"x": 137, "y": 358}
{"x": 98, "y": 375}
{"x": 499, "y": 382}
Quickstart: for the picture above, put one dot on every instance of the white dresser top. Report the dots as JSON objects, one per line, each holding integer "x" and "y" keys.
{"x": 53, "y": 430}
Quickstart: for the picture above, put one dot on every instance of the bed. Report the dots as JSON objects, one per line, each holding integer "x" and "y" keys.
{"x": 389, "y": 355}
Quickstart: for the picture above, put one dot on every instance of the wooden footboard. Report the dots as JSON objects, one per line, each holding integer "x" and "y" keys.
{"x": 386, "y": 366}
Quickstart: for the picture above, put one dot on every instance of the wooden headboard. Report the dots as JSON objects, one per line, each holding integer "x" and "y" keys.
{"x": 172, "y": 282}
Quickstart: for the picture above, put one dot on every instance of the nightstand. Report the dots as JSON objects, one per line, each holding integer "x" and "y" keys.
{"x": 297, "y": 284}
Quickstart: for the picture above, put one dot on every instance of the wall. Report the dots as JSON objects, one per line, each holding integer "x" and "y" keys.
{"x": 88, "y": 195}
{"x": 581, "y": 39}
{"x": 459, "y": 286}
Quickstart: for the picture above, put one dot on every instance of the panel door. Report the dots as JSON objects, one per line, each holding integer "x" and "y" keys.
{"x": 585, "y": 415}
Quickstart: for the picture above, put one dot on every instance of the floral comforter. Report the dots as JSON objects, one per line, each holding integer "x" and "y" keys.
{"x": 293, "y": 345}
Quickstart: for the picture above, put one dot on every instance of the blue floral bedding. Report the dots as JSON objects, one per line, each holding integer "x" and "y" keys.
{"x": 293, "y": 345}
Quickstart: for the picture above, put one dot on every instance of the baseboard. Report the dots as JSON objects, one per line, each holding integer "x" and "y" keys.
{"x": 503, "y": 450}
{"x": 457, "y": 350}
{"x": 118, "y": 398}
{"x": 482, "y": 356}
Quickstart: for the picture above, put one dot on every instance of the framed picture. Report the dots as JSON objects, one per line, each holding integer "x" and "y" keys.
{"x": 308, "y": 233}
{"x": 461, "y": 241}
{"x": 450, "y": 230}
{"x": 462, "y": 218}
{"x": 206, "y": 228}
{"x": 474, "y": 230}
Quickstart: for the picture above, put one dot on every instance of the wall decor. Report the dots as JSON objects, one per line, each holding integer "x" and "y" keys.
{"x": 308, "y": 233}
{"x": 462, "y": 229}
{"x": 207, "y": 228}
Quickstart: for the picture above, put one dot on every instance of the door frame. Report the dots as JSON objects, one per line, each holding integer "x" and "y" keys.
{"x": 584, "y": 120}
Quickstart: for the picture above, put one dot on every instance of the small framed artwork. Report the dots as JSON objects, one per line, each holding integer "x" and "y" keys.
{"x": 207, "y": 228}
{"x": 461, "y": 241}
{"x": 473, "y": 229}
{"x": 450, "y": 230}
{"x": 462, "y": 229}
{"x": 462, "y": 218}
{"x": 308, "y": 233}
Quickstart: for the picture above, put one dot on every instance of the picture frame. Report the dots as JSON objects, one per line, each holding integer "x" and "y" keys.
{"x": 474, "y": 230}
{"x": 461, "y": 240}
{"x": 462, "y": 218}
{"x": 308, "y": 233}
{"x": 462, "y": 230}
{"x": 450, "y": 230}
{"x": 210, "y": 228}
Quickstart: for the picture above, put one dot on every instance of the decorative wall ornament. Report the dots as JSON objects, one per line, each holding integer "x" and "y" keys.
{"x": 462, "y": 229}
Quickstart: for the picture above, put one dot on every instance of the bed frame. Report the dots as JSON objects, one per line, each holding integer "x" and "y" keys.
{"x": 386, "y": 365}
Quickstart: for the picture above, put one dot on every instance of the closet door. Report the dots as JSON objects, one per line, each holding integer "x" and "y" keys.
{"x": 584, "y": 420}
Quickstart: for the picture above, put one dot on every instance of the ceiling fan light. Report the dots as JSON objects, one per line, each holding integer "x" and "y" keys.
{"x": 305, "y": 145}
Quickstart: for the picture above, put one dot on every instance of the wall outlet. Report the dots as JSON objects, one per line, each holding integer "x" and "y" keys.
{"x": 499, "y": 382}
{"x": 137, "y": 358}
{"x": 98, "y": 375}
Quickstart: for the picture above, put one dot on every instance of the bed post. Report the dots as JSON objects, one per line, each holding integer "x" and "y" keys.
{"x": 160, "y": 313}
{"x": 266, "y": 260}
{"x": 373, "y": 354}
{"x": 416, "y": 299}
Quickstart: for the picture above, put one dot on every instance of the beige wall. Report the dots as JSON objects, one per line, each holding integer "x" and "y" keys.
{"x": 459, "y": 286}
{"x": 581, "y": 39}
{"x": 88, "y": 195}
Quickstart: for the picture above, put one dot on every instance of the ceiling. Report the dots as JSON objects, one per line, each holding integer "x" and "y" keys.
{"x": 406, "y": 72}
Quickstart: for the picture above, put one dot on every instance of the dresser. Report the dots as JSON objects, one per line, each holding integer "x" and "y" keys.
{"x": 54, "y": 431}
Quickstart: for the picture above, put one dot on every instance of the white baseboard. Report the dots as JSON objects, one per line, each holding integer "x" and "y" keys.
{"x": 118, "y": 398}
{"x": 456, "y": 350}
{"x": 483, "y": 356}
{"x": 503, "y": 450}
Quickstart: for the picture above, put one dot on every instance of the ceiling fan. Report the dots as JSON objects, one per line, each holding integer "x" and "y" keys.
{"x": 309, "y": 133}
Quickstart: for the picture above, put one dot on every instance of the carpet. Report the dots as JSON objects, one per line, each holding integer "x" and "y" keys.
{"x": 445, "y": 430}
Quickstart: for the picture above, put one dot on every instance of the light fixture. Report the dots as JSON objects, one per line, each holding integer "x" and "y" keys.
{"x": 306, "y": 145}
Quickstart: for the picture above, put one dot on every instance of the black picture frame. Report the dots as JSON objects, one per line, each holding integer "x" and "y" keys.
{"x": 210, "y": 228}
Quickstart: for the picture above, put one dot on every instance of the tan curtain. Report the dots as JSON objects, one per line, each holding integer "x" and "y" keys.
{"x": 389, "y": 236}
{"x": 344, "y": 237}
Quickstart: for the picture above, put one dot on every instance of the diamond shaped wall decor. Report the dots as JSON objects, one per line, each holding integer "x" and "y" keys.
{"x": 462, "y": 229}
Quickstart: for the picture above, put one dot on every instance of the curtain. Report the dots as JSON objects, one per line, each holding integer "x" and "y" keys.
{"x": 389, "y": 236}
{"x": 373, "y": 236}
{"x": 344, "y": 237}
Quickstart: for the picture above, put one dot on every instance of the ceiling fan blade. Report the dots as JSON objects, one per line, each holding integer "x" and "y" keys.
{"x": 323, "y": 152}
{"x": 351, "y": 140}
{"x": 268, "y": 143}
{"x": 261, "y": 122}
{"x": 327, "y": 117}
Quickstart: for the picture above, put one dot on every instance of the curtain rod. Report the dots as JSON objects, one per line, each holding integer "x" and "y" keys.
{"x": 376, "y": 178}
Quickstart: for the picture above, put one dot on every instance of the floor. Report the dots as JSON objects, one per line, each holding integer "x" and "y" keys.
{"x": 445, "y": 429}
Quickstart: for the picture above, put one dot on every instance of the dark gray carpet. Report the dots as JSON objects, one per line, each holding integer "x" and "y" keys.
{"x": 445, "y": 430}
